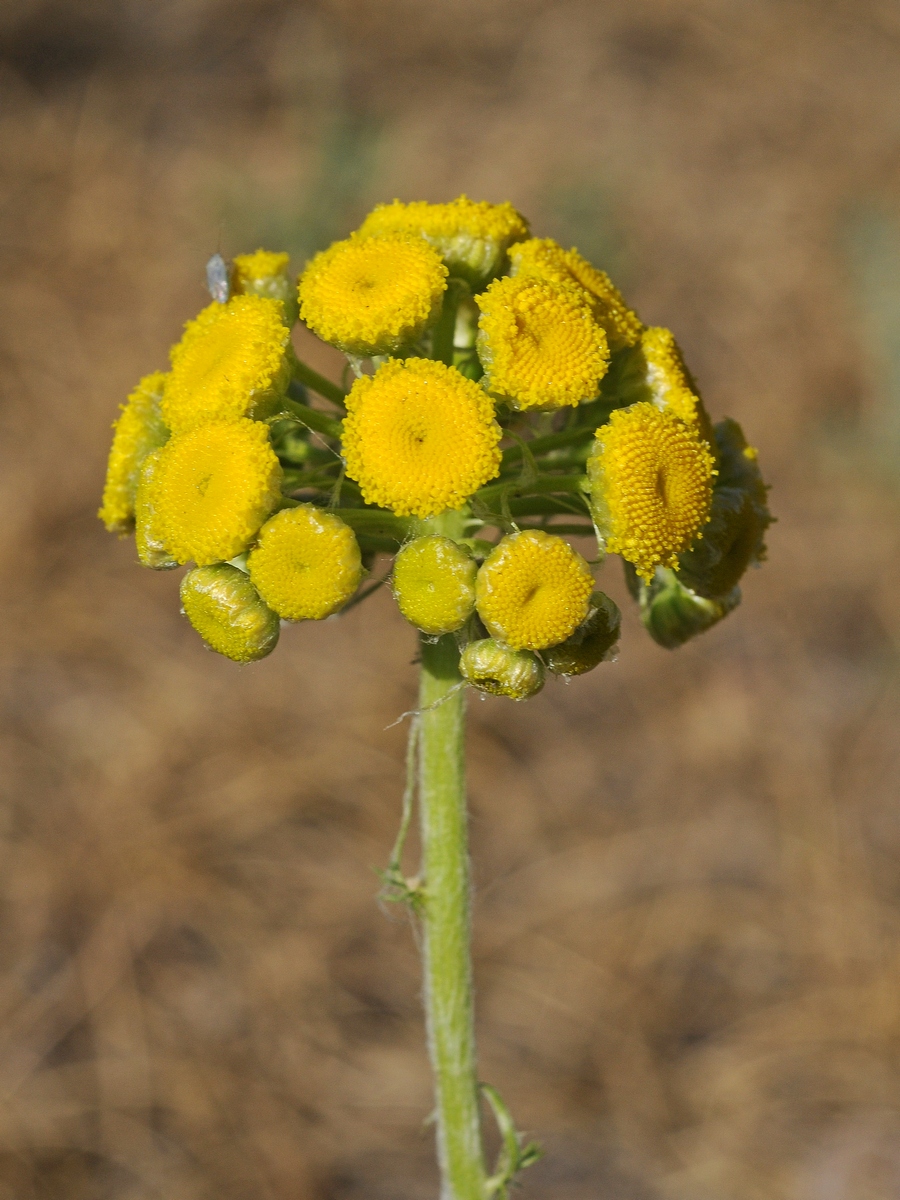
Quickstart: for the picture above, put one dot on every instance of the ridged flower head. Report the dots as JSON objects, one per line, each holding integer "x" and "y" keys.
{"x": 547, "y": 259}
{"x": 533, "y": 590}
{"x": 471, "y": 236}
{"x": 651, "y": 480}
{"x": 138, "y": 431}
{"x": 434, "y": 584}
{"x": 373, "y": 295}
{"x": 231, "y": 362}
{"x": 538, "y": 343}
{"x": 212, "y": 489}
{"x": 419, "y": 438}
{"x": 265, "y": 273}
{"x": 306, "y": 564}
{"x": 225, "y": 609}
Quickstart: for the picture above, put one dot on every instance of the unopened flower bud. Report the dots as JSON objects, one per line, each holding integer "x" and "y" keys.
{"x": 434, "y": 584}
{"x": 673, "y": 614}
{"x": 265, "y": 273}
{"x": 148, "y": 538}
{"x": 225, "y": 608}
{"x": 593, "y": 642}
{"x": 492, "y": 667}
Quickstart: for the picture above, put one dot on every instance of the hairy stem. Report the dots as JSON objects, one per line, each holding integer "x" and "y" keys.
{"x": 446, "y": 922}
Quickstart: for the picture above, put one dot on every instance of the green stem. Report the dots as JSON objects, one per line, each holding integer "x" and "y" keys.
{"x": 312, "y": 379}
{"x": 442, "y": 334}
{"x": 314, "y": 419}
{"x": 446, "y": 922}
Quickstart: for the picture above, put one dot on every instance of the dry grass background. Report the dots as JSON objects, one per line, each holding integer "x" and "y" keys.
{"x": 688, "y": 915}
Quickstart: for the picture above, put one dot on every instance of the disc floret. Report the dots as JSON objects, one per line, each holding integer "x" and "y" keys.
{"x": 538, "y": 343}
{"x": 212, "y": 489}
{"x": 651, "y": 478}
{"x": 533, "y": 590}
{"x": 232, "y": 362}
{"x": 419, "y": 437}
{"x": 373, "y": 295}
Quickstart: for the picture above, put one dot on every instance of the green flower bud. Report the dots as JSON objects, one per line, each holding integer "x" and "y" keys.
{"x": 593, "y": 642}
{"x": 225, "y": 608}
{"x": 492, "y": 667}
{"x": 672, "y": 613}
{"x": 734, "y": 539}
{"x": 151, "y": 548}
{"x": 434, "y": 584}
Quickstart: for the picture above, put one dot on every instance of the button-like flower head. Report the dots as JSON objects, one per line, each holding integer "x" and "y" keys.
{"x": 231, "y": 363}
{"x": 138, "y": 431}
{"x": 419, "y": 438}
{"x": 265, "y": 273}
{"x": 471, "y": 236}
{"x": 538, "y": 343}
{"x": 212, "y": 489}
{"x": 547, "y": 259}
{"x": 224, "y": 607}
{"x": 651, "y": 486}
{"x": 373, "y": 295}
{"x": 533, "y": 590}
{"x": 307, "y": 563}
{"x": 434, "y": 584}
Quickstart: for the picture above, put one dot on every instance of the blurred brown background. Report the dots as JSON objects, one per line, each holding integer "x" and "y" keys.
{"x": 688, "y": 914}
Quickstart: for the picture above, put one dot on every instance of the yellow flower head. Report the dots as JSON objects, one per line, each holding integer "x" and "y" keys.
{"x": 213, "y": 487}
{"x": 538, "y": 343}
{"x": 138, "y": 431}
{"x": 307, "y": 563}
{"x": 547, "y": 259}
{"x": 224, "y": 607}
{"x": 373, "y": 295}
{"x": 148, "y": 539}
{"x": 254, "y": 272}
{"x": 419, "y": 438}
{"x": 471, "y": 237}
{"x": 533, "y": 590}
{"x": 651, "y": 486}
{"x": 670, "y": 385}
{"x": 231, "y": 363}
{"x": 434, "y": 584}
{"x": 265, "y": 273}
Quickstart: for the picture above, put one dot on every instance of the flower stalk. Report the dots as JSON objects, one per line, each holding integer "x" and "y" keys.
{"x": 446, "y": 919}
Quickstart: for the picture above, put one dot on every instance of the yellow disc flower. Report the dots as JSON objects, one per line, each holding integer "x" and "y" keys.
{"x": 232, "y": 362}
{"x": 265, "y": 273}
{"x": 434, "y": 584}
{"x": 306, "y": 564}
{"x": 224, "y": 607}
{"x": 533, "y": 590}
{"x": 419, "y": 438}
{"x": 547, "y": 259}
{"x": 373, "y": 295}
{"x": 213, "y": 488}
{"x": 651, "y": 486}
{"x": 148, "y": 538}
{"x": 538, "y": 343}
{"x": 138, "y": 431}
{"x": 471, "y": 237}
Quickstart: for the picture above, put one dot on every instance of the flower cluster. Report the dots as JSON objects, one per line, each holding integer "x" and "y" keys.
{"x": 505, "y": 400}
